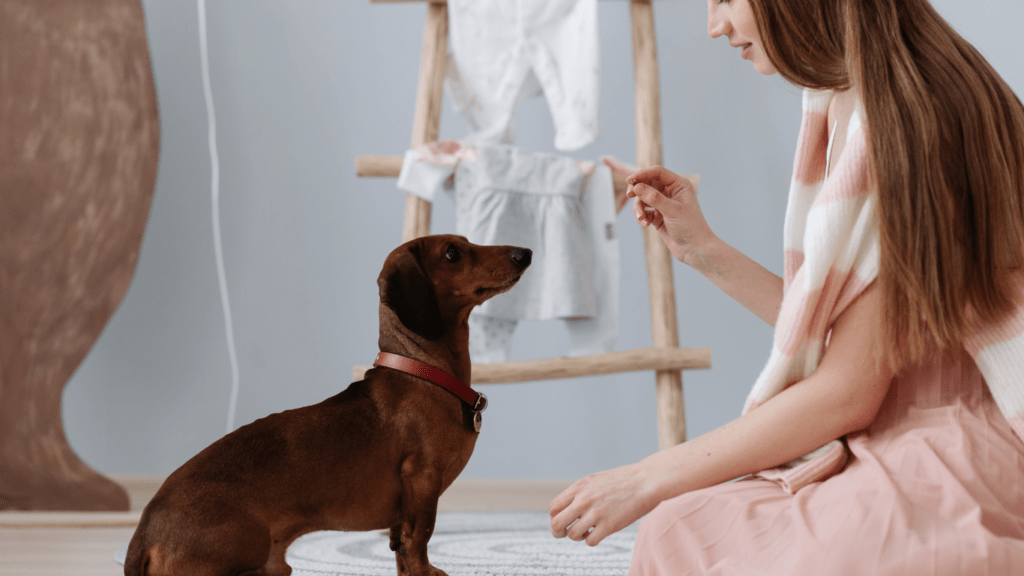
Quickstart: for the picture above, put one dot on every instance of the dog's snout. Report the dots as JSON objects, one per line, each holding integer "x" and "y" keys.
{"x": 522, "y": 257}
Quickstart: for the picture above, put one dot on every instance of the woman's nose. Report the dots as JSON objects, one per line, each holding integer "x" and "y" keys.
{"x": 718, "y": 23}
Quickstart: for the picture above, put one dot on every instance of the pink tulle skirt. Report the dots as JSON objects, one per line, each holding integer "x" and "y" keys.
{"x": 935, "y": 486}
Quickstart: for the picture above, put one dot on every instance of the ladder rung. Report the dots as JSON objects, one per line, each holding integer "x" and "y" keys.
{"x": 378, "y": 166}
{"x": 368, "y": 166}
{"x": 638, "y": 360}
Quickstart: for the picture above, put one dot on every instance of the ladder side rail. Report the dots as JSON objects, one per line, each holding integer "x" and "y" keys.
{"x": 664, "y": 326}
{"x": 427, "y": 120}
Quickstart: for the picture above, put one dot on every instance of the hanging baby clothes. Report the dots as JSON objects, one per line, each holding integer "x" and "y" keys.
{"x": 558, "y": 207}
{"x": 505, "y": 51}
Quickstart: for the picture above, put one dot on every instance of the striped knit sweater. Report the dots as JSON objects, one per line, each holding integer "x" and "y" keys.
{"x": 832, "y": 254}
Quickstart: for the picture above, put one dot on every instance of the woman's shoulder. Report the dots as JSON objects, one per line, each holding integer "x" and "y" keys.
{"x": 817, "y": 100}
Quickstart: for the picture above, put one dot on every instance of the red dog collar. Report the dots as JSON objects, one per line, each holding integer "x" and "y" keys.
{"x": 476, "y": 400}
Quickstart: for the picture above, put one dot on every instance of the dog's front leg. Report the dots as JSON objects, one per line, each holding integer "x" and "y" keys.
{"x": 421, "y": 488}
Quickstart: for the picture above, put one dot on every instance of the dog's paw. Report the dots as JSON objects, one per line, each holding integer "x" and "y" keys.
{"x": 403, "y": 570}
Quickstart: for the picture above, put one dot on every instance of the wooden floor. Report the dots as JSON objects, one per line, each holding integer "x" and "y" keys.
{"x": 61, "y": 551}
{"x": 83, "y": 544}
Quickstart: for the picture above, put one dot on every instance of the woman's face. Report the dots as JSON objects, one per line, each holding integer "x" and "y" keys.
{"x": 735, "y": 20}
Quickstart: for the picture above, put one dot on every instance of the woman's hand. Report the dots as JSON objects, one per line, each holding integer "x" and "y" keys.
{"x": 607, "y": 502}
{"x": 668, "y": 202}
{"x": 620, "y": 171}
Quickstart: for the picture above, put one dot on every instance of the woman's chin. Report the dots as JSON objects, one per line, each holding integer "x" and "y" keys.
{"x": 763, "y": 66}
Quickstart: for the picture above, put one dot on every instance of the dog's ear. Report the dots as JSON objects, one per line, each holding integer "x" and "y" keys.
{"x": 405, "y": 288}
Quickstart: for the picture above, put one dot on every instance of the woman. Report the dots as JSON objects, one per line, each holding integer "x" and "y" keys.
{"x": 885, "y": 434}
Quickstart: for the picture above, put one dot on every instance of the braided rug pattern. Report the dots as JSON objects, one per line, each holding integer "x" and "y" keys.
{"x": 468, "y": 544}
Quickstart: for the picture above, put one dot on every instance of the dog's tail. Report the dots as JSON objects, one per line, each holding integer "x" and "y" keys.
{"x": 136, "y": 562}
{"x": 141, "y": 555}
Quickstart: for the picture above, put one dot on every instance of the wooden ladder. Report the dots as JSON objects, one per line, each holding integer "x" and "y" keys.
{"x": 665, "y": 358}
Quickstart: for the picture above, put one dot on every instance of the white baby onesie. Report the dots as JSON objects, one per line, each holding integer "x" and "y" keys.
{"x": 558, "y": 207}
{"x": 505, "y": 51}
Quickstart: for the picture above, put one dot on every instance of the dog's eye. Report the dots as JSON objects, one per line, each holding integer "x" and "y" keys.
{"x": 453, "y": 254}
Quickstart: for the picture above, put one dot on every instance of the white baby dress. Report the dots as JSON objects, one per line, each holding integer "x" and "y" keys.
{"x": 505, "y": 51}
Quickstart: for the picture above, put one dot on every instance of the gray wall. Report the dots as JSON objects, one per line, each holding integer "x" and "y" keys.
{"x": 301, "y": 88}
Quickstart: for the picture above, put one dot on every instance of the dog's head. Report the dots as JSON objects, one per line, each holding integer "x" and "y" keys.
{"x": 430, "y": 281}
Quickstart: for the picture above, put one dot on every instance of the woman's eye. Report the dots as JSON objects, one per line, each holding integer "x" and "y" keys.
{"x": 453, "y": 254}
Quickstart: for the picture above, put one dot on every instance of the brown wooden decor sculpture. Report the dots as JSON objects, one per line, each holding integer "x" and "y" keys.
{"x": 79, "y": 140}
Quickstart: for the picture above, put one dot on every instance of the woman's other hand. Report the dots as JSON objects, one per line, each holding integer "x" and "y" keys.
{"x": 607, "y": 502}
{"x": 668, "y": 202}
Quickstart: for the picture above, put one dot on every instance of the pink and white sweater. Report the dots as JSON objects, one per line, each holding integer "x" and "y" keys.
{"x": 832, "y": 251}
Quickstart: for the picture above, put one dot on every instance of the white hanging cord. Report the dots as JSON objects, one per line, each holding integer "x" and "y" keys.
{"x": 215, "y": 196}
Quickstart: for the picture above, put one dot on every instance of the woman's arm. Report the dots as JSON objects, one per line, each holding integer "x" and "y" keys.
{"x": 668, "y": 202}
{"x": 746, "y": 281}
{"x": 843, "y": 395}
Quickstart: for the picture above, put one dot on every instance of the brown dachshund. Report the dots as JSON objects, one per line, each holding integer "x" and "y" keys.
{"x": 377, "y": 455}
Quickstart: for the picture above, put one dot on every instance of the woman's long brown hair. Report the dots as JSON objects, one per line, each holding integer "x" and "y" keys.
{"x": 946, "y": 141}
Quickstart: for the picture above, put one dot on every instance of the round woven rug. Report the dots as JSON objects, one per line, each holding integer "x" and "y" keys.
{"x": 468, "y": 544}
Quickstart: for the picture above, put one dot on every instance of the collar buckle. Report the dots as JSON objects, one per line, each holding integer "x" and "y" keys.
{"x": 481, "y": 402}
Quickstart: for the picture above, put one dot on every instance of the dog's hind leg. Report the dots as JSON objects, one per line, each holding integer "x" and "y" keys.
{"x": 395, "y": 537}
{"x": 276, "y": 566}
{"x": 240, "y": 547}
{"x": 395, "y": 543}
